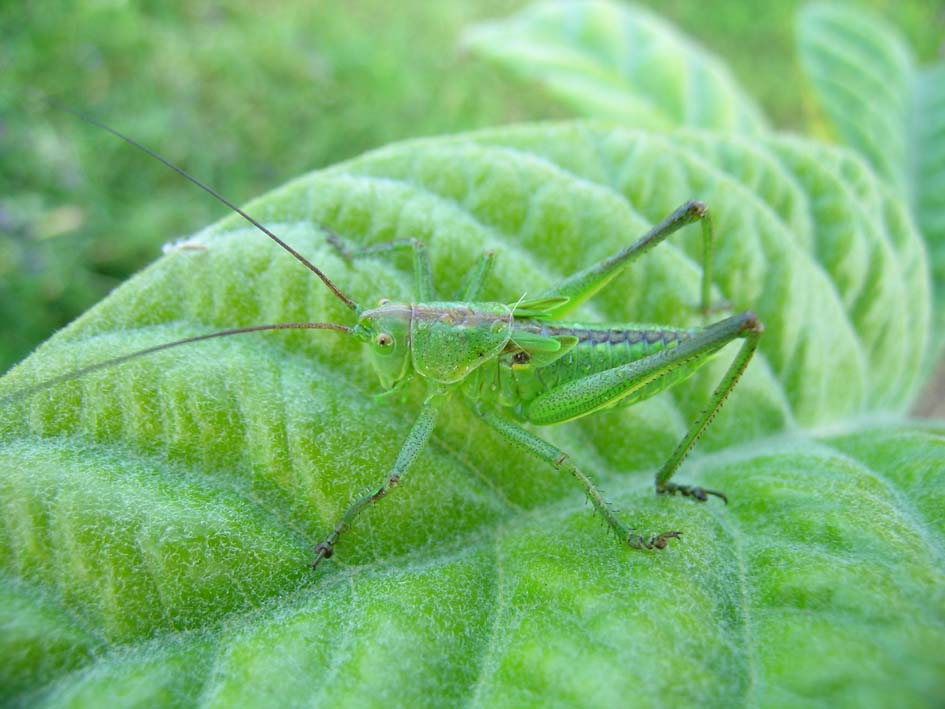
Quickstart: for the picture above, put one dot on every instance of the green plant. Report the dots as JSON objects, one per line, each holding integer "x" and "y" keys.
{"x": 158, "y": 517}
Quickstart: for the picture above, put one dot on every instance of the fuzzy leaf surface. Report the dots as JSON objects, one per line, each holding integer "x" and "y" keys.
{"x": 158, "y": 516}
{"x": 618, "y": 62}
{"x": 874, "y": 98}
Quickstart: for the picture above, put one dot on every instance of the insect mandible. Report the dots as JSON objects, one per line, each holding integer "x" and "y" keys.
{"x": 514, "y": 363}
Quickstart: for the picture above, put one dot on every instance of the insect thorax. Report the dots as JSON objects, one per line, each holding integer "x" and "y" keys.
{"x": 450, "y": 340}
{"x": 440, "y": 341}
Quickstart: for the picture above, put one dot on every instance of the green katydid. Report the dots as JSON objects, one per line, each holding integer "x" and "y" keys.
{"x": 516, "y": 363}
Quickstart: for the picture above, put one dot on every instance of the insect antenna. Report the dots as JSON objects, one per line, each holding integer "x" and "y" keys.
{"x": 81, "y": 372}
{"x": 213, "y": 193}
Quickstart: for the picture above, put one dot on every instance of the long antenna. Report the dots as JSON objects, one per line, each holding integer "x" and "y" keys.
{"x": 209, "y": 190}
{"x": 28, "y": 391}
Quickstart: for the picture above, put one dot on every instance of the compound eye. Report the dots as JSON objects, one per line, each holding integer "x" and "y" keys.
{"x": 384, "y": 340}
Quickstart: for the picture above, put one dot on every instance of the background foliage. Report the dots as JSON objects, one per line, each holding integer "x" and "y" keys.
{"x": 156, "y": 524}
{"x": 247, "y": 100}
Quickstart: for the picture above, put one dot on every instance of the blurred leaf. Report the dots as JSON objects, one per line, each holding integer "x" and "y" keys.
{"x": 161, "y": 513}
{"x": 244, "y": 100}
{"x": 863, "y": 74}
{"x": 875, "y": 100}
{"x": 619, "y": 62}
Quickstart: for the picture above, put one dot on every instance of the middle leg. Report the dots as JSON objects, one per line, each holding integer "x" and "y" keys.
{"x": 560, "y": 460}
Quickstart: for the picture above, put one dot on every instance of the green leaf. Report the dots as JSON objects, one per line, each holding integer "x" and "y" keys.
{"x": 876, "y": 100}
{"x": 619, "y": 62}
{"x": 244, "y": 104}
{"x": 862, "y": 74}
{"x": 158, "y": 516}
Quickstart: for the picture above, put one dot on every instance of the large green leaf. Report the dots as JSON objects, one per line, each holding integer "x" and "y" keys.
{"x": 618, "y": 62}
{"x": 158, "y": 516}
{"x": 875, "y": 99}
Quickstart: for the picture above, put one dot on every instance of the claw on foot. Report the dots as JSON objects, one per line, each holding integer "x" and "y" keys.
{"x": 656, "y": 542}
{"x": 322, "y": 551}
{"x": 698, "y": 493}
{"x": 660, "y": 541}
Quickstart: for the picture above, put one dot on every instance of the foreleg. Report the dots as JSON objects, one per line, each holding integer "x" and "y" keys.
{"x": 423, "y": 273}
{"x": 416, "y": 440}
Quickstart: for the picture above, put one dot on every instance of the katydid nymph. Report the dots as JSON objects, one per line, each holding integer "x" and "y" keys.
{"x": 514, "y": 364}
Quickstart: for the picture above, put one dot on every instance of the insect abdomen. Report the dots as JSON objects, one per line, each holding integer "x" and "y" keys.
{"x": 602, "y": 348}
{"x": 512, "y": 381}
